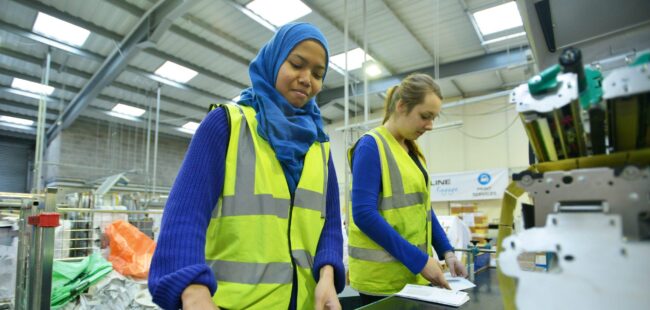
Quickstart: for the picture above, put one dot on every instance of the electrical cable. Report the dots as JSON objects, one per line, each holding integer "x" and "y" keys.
{"x": 490, "y": 136}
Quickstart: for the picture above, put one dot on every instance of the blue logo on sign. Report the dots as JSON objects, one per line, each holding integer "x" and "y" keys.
{"x": 484, "y": 178}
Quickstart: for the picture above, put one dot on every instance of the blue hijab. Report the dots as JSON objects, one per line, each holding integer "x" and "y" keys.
{"x": 289, "y": 130}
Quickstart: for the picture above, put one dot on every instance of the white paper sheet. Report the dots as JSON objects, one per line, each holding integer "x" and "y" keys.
{"x": 434, "y": 294}
{"x": 458, "y": 283}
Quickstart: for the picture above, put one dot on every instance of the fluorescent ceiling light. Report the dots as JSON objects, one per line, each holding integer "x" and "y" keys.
{"x": 279, "y": 12}
{"x": 355, "y": 59}
{"x": 498, "y": 18}
{"x": 127, "y": 110}
{"x": 32, "y": 87}
{"x": 189, "y": 127}
{"x": 122, "y": 116}
{"x": 373, "y": 70}
{"x": 60, "y": 30}
{"x": 16, "y": 120}
{"x": 499, "y": 39}
{"x": 175, "y": 72}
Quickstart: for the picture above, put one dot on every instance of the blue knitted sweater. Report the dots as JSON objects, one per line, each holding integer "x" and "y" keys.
{"x": 366, "y": 186}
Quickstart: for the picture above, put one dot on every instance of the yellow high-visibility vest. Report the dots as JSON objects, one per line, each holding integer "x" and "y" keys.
{"x": 404, "y": 204}
{"x": 255, "y": 237}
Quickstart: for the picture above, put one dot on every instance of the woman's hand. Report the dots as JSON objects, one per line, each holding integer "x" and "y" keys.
{"x": 433, "y": 273}
{"x": 455, "y": 267}
{"x": 197, "y": 296}
{"x": 325, "y": 294}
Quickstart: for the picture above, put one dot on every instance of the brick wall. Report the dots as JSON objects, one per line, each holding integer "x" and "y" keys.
{"x": 89, "y": 150}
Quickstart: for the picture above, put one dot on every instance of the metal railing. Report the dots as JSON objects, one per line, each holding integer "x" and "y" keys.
{"x": 48, "y": 231}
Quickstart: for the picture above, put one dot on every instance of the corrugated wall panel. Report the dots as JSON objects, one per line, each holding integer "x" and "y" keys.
{"x": 14, "y": 159}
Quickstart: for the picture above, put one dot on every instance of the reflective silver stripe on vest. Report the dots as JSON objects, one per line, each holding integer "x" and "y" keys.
{"x": 251, "y": 273}
{"x": 398, "y": 199}
{"x": 303, "y": 258}
{"x": 312, "y": 200}
{"x": 379, "y": 256}
{"x": 308, "y": 200}
{"x": 245, "y": 202}
{"x": 261, "y": 204}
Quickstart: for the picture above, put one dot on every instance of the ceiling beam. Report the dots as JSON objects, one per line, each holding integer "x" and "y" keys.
{"x": 209, "y": 45}
{"x": 50, "y": 10}
{"x": 357, "y": 41}
{"x": 201, "y": 70}
{"x": 500, "y": 77}
{"x": 487, "y": 62}
{"x": 272, "y": 28}
{"x": 96, "y": 113}
{"x": 460, "y": 90}
{"x": 37, "y": 6}
{"x": 148, "y": 30}
{"x": 96, "y": 57}
{"x": 477, "y": 31}
{"x": 49, "y": 118}
{"x": 47, "y": 41}
{"x": 136, "y": 11}
{"x": 341, "y": 107}
{"x": 85, "y": 75}
{"x": 17, "y": 131}
{"x": 72, "y": 89}
{"x": 18, "y": 92}
{"x": 25, "y": 109}
{"x": 408, "y": 30}
{"x": 228, "y": 37}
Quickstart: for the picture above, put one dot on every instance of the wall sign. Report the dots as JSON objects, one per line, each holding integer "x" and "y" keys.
{"x": 469, "y": 185}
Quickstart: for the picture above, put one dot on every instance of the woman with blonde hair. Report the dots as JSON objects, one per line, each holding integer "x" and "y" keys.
{"x": 393, "y": 225}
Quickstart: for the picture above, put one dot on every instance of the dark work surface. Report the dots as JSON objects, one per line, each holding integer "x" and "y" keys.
{"x": 485, "y": 295}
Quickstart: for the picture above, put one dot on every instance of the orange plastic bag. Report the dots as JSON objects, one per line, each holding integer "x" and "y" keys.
{"x": 131, "y": 250}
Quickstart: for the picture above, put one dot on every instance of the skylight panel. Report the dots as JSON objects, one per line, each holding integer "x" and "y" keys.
{"x": 498, "y": 18}
{"x": 16, "y": 120}
{"x": 32, "y": 87}
{"x": 60, "y": 30}
{"x": 175, "y": 72}
{"x": 128, "y": 110}
{"x": 279, "y": 12}
{"x": 355, "y": 59}
{"x": 189, "y": 127}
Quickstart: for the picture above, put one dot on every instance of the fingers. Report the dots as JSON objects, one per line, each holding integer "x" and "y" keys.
{"x": 460, "y": 269}
{"x": 333, "y": 305}
{"x": 442, "y": 282}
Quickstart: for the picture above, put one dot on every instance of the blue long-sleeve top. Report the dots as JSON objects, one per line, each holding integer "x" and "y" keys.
{"x": 179, "y": 258}
{"x": 366, "y": 188}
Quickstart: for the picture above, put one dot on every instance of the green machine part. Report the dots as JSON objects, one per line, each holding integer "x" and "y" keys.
{"x": 544, "y": 81}
{"x": 591, "y": 100}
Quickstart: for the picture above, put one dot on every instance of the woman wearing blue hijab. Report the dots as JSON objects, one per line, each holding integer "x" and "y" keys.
{"x": 253, "y": 218}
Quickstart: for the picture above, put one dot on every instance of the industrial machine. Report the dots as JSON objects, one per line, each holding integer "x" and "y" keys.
{"x": 590, "y": 218}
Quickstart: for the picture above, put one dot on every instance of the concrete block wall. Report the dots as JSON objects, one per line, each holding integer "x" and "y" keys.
{"x": 90, "y": 150}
